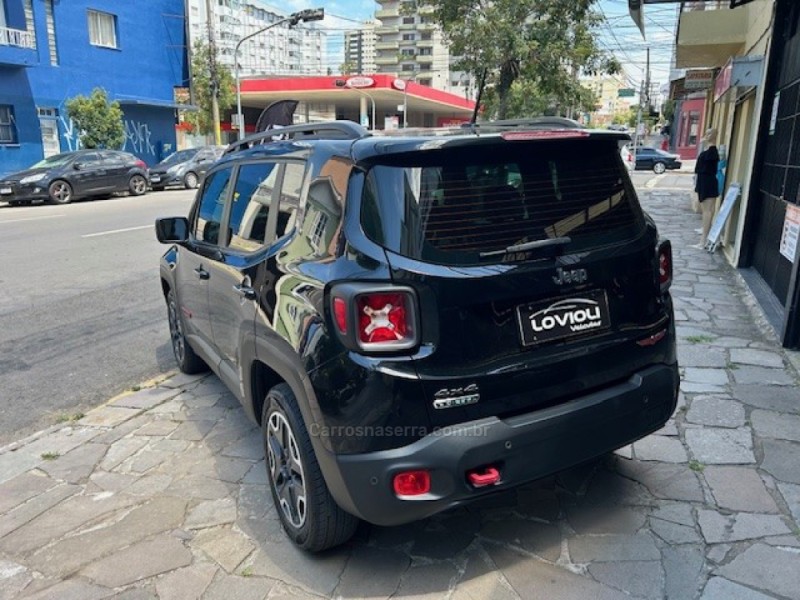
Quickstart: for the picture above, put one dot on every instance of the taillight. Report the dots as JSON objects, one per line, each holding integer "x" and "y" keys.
{"x": 141, "y": 164}
{"x": 412, "y": 483}
{"x": 665, "y": 265}
{"x": 375, "y": 319}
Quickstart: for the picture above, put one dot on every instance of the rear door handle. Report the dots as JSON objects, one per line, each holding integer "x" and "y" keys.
{"x": 245, "y": 291}
{"x": 201, "y": 272}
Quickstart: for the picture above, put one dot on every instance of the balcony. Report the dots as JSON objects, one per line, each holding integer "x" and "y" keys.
{"x": 387, "y": 45}
{"x": 709, "y": 33}
{"x": 17, "y": 47}
{"x": 387, "y": 13}
{"x": 386, "y": 60}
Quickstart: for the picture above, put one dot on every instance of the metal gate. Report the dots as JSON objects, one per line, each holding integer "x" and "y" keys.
{"x": 777, "y": 169}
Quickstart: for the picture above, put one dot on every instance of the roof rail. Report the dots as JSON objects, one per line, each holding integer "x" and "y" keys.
{"x": 531, "y": 123}
{"x": 329, "y": 130}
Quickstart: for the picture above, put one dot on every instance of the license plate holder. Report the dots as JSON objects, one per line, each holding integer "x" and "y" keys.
{"x": 155, "y": 178}
{"x": 563, "y": 318}
{"x": 6, "y": 190}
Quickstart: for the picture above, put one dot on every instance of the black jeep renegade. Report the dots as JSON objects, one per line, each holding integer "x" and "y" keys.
{"x": 417, "y": 321}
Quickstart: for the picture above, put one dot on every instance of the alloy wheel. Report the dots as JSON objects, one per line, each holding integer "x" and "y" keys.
{"x": 138, "y": 185}
{"x": 61, "y": 192}
{"x": 286, "y": 469}
{"x": 176, "y": 330}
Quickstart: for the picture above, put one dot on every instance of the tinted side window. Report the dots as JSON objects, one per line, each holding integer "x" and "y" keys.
{"x": 290, "y": 197}
{"x": 212, "y": 204}
{"x": 90, "y": 159}
{"x": 252, "y": 197}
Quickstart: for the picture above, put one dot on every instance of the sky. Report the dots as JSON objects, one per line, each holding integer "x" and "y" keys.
{"x": 618, "y": 35}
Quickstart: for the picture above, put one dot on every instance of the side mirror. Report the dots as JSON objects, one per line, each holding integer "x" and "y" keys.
{"x": 77, "y": 166}
{"x": 172, "y": 230}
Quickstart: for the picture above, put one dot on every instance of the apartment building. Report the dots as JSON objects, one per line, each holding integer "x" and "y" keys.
{"x": 279, "y": 51}
{"x": 608, "y": 103}
{"x": 359, "y": 50}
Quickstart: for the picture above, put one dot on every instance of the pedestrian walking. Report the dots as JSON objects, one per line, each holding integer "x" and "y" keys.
{"x": 706, "y": 184}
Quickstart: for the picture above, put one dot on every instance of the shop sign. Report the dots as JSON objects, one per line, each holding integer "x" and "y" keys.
{"x": 700, "y": 79}
{"x": 399, "y": 84}
{"x": 791, "y": 232}
{"x": 723, "y": 82}
{"x": 359, "y": 82}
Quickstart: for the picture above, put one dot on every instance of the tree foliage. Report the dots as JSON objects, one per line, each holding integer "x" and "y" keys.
{"x": 98, "y": 120}
{"x": 538, "y": 46}
{"x": 203, "y": 68}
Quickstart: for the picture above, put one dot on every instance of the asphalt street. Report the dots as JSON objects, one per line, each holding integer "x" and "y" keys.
{"x": 82, "y": 316}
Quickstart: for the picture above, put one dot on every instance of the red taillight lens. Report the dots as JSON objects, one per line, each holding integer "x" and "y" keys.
{"x": 340, "y": 314}
{"x": 385, "y": 318}
{"x": 141, "y": 164}
{"x": 412, "y": 483}
{"x": 665, "y": 265}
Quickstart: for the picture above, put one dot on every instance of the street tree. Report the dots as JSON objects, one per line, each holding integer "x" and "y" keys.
{"x": 209, "y": 77}
{"x": 98, "y": 120}
{"x": 524, "y": 46}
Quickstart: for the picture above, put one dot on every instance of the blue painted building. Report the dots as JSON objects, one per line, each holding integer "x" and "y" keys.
{"x": 52, "y": 50}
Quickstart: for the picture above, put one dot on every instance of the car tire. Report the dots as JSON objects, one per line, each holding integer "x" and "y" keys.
{"x": 309, "y": 514}
{"x": 188, "y": 361}
{"x": 60, "y": 192}
{"x": 14, "y": 202}
{"x": 137, "y": 185}
{"x": 659, "y": 168}
{"x": 190, "y": 180}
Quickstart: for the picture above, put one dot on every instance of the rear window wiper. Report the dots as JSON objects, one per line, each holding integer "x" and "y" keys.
{"x": 533, "y": 245}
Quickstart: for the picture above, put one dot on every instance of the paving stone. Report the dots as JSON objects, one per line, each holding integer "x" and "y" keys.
{"x": 791, "y": 494}
{"x": 774, "y": 570}
{"x": 24, "y": 513}
{"x": 739, "y": 489}
{"x": 762, "y": 376}
{"x": 716, "y": 411}
{"x": 200, "y": 487}
{"x": 232, "y": 470}
{"x": 188, "y": 583}
{"x": 673, "y": 533}
{"x": 212, "y": 513}
{"x": 22, "y": 488}
{"x": 625, "y": 452}
{"x": 616, "y": 489}
{"x": 25, "y": 458}
{"x": 660, "y": 448}
{"x": 548, "y": 581}
{"x": 706, "y": 376}
{"x": 65, "y": 517}
{"x": 780, "y": 399}
{"x": 193, "y": 431}
{"x": 14, "y": 577}
{"x": 719, "y": 588}
{"x": 698, "y": 355}
{"x": 112, "y": 482}
{"x": 718, "y": 528}
{"x": 759, "y": 358}
{"x": 230, "y": 587}
{"x": 70, "y": 554}
{"x": 76, "y": 465}
{"x": 121, "y": 450}
{"x": 136, "y": 593}
{"x": 538, "y": 538}
{"x": 669, "y": 429}
{"x": 182, "y": 380}
{"x": 226, "y": 546}
{"x": 316, "y": 573}
{"x": 159, "y": 428}
{"x": 145, "y": 399}
{"x": 775, "y": 425}
{"x": 108, "y": 416}
{"x": 613, "y": 548}
{"x": 72, "y": 589}
{"x": 643, "y": 579}
{"x": 147, "y": 459}
{"x": 427, "y": 582}
{"x": 669, "y": 482}
{"x": 372, "y": 572}
{"x": 721, "y": 446}
{"x": 605, "y": 519}
{"x": 718, "y": 552}
{"x": 140, "y": 561}
{"x": 247, "y": 447}
{"x": 684, "y": 570}
{"x": 257, "y": 474}
{"x": 782, "y": 460}
{"x": 701, "y": 388}
{"x": 150, "y": 485}
{"x": 482, "y": 579}
{"x": 206, "y": 401}
{"x": 444, "y": 536}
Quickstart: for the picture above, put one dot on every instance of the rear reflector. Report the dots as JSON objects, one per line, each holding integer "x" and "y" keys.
{"x": 512, "y": 136}
{"x": 483, "y": 477}
{"x": 653, "y": 339}
{"x": 412, "y": 483}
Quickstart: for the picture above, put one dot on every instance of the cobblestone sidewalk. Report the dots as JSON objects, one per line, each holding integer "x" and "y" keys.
{"x": 162, "y": 493}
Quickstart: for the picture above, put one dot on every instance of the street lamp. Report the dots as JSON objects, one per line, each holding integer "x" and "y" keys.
{"x": 309, "y": 14}
{"x": 371, "y": 99}
{"x": 405, "y": 97}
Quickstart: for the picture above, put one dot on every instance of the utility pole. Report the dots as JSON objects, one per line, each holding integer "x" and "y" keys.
{"x": 212, "y": 51}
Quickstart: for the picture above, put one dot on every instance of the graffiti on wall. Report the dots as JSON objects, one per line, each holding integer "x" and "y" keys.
{"x": 70, "y": 133}
{"x": 137, "y": 138}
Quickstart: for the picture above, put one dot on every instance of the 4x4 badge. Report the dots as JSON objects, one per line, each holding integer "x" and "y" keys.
{"x": 571, "y": 276}
{"x": 454, "y": 397}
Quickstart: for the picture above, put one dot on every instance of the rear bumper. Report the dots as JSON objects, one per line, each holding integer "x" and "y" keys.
{"x": 523, "y": 448}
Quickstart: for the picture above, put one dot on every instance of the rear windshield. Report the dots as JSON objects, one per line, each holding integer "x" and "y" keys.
{"x": 461, "y": 206}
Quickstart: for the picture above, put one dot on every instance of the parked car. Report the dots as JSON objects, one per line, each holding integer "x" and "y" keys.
{"x": 185, "y": 167}
{"x": 418, "y": 321}
{"x": 85, "y": 173}
{"x": 658, "y": 160}
{"x": 627, "y": 156}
